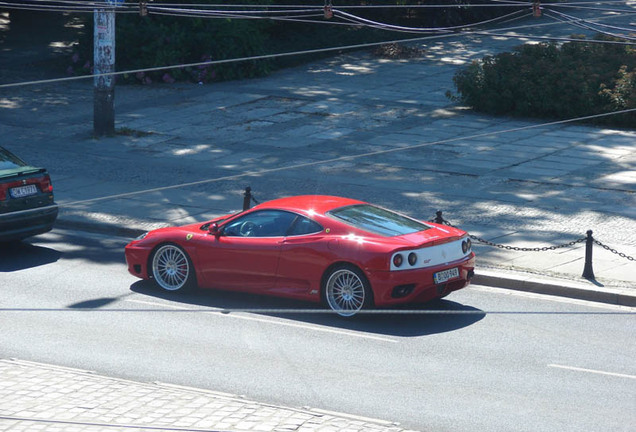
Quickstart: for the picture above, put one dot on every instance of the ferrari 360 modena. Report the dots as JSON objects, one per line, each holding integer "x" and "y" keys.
{"x": 348, "y": 254}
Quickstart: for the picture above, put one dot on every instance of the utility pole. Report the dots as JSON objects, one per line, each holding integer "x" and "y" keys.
{"x": 104, "y": 63}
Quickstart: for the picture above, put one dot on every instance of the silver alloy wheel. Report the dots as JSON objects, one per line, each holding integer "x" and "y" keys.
{"x": 345, "y": 292}
{"x": 170, "y": 268}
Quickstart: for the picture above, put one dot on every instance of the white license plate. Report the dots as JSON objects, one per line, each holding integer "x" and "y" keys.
{"x": 23, "y": 191}
{"x": 443, "y": 276}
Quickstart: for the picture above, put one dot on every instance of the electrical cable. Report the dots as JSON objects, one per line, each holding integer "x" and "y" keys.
{"x": 549, "y": 38}
{"x": 488, "y": 33}
{"x": 216, "y": 62}
{"x": 581, "y": 24}
{"x": 384, "y": 26}
{"x": 571, "y": 18}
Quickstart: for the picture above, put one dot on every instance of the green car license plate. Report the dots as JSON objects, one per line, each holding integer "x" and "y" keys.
{"x": 23, "y": 191}
{"x": 445, "y": 275}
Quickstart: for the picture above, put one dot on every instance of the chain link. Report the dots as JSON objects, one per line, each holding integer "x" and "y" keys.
{"x": 614, "y": 251}
{"x": 525, "y": 249}
{"x": 515, "y": 248}
{"x": 439, "y": 219}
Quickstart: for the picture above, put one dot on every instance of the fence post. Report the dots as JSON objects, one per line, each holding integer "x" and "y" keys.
{"x": 588, "y": 271}
{"x": 247, "y": 198}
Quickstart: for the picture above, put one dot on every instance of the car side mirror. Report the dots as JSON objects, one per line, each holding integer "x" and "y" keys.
{"x": 213, "y": 229}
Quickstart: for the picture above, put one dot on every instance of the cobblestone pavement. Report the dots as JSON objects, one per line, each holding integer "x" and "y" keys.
{"x": 38, "y": 397}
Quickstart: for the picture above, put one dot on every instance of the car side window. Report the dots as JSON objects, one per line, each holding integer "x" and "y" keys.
{"x": 304, "y": 226}
{"x": 265, "y": 223}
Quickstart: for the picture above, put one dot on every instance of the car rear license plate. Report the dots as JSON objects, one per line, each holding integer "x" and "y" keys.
{"x": 23, "y": 191}
{"x": 445, "y": 275}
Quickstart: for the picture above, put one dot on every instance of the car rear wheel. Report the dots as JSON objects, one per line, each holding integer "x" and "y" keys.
{"x": 347, "y": 291}
{"x": 172, "y": 269}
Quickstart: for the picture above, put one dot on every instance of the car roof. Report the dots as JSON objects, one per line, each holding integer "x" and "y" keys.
{"x": 320, "y": 204}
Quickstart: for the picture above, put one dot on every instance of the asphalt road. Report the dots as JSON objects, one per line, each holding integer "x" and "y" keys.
{"x": 483, "y": 359}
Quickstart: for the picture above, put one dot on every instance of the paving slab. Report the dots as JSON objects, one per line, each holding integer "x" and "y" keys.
{"x": 41, "y": 397}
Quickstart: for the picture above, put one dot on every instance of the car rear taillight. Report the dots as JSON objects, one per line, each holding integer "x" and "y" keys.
{"x": 3, "y": 191}
{"x": 45, "y": 184}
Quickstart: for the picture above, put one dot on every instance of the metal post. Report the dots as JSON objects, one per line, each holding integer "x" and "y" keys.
{"x": 438, "y": 217}
{"x": 104, "y": 61}
{"x": 588, "y": 271}
{"x": 247, "y": 198}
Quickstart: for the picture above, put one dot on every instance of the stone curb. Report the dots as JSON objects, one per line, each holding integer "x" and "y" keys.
{"x": 99, "y": 228}
{"x": 565, "y": 288}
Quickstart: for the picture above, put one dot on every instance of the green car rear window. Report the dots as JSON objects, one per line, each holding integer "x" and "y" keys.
{"x": 9, "y": 161}
{"x": 378, "y": 220}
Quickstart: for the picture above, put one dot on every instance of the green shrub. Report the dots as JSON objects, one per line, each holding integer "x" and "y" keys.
{"x": 158, "y": 40}
{"x": 144, "y": 42}
{"x": 575, "y": 79}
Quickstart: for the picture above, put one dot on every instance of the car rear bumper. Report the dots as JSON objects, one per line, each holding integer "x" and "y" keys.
{"x": 418, "y": 286}
{"x": 21, "y": 224}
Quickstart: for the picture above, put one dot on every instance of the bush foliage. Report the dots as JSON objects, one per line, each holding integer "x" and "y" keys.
{"x": 158, "y": 40}
{"x": 572, "y": 80}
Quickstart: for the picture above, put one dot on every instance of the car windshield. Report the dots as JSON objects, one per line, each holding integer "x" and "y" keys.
{"x": 9, "y": 161}
{"x": 378, "y": 220}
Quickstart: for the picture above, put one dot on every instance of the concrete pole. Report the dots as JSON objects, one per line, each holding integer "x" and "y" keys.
{"x": 104, "y": 62}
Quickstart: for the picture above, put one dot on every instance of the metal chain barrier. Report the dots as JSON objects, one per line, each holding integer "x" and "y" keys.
{"x": 589, "y": 239}
{"x": 525, "y": 249}
{"x": 614, "y": 251}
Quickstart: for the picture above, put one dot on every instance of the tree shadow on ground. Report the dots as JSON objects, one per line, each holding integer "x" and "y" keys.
{"x": 439, "y": 316}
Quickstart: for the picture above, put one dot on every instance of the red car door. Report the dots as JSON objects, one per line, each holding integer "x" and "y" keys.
{"x": 304, "y": 256}
{"x": 244, "y": 255}
{"x": 240, "y": 263}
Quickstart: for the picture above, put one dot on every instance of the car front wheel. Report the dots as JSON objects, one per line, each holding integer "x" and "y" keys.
{"x": 172, "y": 269}
{"x": 347, "y": 291}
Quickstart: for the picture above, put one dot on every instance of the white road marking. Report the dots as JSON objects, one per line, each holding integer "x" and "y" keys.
{"x": 577, "y": 369}
{"x": 267, "y": 321}
{"x": 309, "y": 327}
{"x": 163, "y": 305}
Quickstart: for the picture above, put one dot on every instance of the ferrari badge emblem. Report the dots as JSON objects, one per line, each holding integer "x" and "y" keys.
{"x": 189, "y": 236}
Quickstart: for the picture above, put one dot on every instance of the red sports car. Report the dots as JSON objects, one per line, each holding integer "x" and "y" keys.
{"x": 349, "y": 254}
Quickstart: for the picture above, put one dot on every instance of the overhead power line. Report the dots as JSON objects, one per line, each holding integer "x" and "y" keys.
{"x": 500, "y": 32}
{"x": 594, "y": 26}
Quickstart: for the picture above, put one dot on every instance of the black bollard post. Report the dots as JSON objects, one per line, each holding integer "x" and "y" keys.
{"x": 247, "y": 198}
{"x": 438, "y": 217}
{"x": 588, "y": 271}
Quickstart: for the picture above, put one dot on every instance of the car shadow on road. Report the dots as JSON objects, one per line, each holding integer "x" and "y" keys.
{"x": 438, "y": 316}
{"x": 17, "y": 255}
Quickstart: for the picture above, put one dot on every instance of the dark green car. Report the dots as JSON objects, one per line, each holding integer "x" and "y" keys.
{"x": 27, "y": 207}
